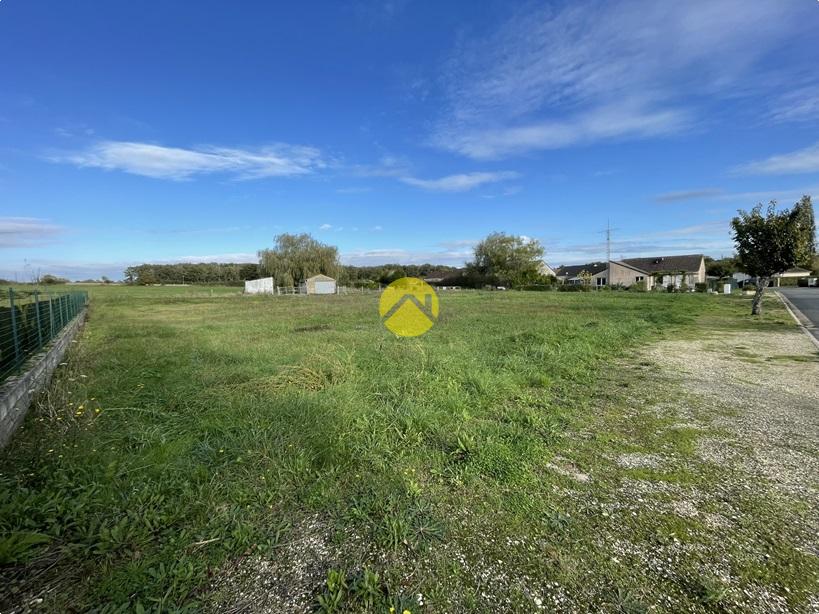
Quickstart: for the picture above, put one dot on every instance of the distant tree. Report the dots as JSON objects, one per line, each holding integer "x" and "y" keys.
{"x": 766, "y": 244}
{"x": 52, "y": 279}
{"x": 506, "y": 260}
{"x": 805, "y": 225}
{"x": 724, "y": 267}
{"x": 294, "y": 258}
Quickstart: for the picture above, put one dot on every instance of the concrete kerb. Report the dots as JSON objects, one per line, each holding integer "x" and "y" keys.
{"x": 18, "y": 391}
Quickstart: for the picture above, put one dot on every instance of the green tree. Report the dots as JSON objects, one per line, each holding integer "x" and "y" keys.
{"x": 294, "y": 258}
{"x": 805, "y": 226}
{"x": 766, "y": 244}
{"x": 724, "y": 267}
{"x": 506, "y": 260}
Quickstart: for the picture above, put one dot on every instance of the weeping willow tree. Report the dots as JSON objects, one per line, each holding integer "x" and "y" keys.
{"x": 294, "y": 258}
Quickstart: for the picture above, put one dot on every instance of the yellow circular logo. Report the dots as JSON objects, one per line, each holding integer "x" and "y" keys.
{"x": 408, "y": 307}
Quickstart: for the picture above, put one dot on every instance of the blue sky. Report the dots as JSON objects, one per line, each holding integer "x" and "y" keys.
{"x": 397, "y": 130}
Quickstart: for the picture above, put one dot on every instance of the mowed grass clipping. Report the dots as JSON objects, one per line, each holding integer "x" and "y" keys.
{"x": 191, "y": 427}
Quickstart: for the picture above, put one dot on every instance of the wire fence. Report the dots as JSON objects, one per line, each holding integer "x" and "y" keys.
{"x": 29, "y": 320}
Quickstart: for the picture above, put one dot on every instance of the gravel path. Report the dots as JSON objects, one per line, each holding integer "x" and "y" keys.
{"x": 763, "y": 390}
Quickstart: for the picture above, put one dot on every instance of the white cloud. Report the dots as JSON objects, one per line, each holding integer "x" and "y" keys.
{"x": 551, "y": 78}
{"x": 326, "y": 227}
{"x": 232, "y": 257}
{"x": 26, "y": 232}
{"x": 461, "y": 182}
{"x": 801, "y": 161}
{"x": 404, "y": 256}
{"x": 149, "y": 160}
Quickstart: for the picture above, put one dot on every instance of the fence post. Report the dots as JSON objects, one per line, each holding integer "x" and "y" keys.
{"x": 50, "y": 315}
{"x": 63, "y": 311}
{"x": 39, "y": 322}
{"x": 14, "y": 335}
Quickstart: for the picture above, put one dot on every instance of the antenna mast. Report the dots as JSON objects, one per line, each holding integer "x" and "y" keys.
{"x": 608, "y": 252}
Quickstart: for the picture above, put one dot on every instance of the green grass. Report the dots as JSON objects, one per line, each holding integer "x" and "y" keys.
{"x": 195, "y": 426}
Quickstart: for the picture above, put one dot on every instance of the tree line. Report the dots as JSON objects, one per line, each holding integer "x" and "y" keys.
{"x": 500, "y": 259}
{"x": 192, "y": 273}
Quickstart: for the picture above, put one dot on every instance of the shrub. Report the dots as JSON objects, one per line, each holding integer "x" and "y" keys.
{"x": 701, "y": 286}
{"x": 639, "y": 286}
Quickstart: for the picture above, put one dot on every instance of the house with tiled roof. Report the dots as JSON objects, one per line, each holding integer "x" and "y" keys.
{"x": 678, "y": 271}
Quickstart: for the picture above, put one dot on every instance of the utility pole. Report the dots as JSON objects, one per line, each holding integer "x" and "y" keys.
{"x": 608, "y": 252}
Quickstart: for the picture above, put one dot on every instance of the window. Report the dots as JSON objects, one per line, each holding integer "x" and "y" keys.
{"x": 601, "y": 281}
{"x": 639, "y": 278}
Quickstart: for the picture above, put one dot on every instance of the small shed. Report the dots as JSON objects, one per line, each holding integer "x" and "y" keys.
{"x": 260, "y": 286}
{"x": 320, "y": 284}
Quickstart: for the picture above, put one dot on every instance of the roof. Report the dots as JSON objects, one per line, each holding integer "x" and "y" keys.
{"x": 625, "y": 264}
{"x": 573, "y": 270}
{"x": 689, "y": 263}
{"x": 797, "y": 270}
{"x": 320, "y": 278}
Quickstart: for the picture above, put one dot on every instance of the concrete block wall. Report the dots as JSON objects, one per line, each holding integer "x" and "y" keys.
{"x": 18, "y": 391}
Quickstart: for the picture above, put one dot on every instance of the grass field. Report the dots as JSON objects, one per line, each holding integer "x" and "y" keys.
{"x": 196, "y": 438}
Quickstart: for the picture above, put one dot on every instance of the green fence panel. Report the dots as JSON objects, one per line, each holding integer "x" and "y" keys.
{"x": 28, "y": 322}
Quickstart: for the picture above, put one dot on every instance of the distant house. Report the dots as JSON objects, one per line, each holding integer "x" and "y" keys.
{"x": 320, "y": 284}
{"x": 658, "y": 270}
{"x": 793, "y": 273}
{"x": 671, "y": 270}
{"x": 545, "y": 270}
{"x": 574, "y": 274}
{"x": 436, "y": 277}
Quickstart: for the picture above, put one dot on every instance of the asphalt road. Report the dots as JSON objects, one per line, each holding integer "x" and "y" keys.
{"x": 806, "y": 300}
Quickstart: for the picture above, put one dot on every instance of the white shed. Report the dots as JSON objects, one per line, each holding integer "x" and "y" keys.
{"x": 260, "y": 286}
{"x": 320, "y": 284}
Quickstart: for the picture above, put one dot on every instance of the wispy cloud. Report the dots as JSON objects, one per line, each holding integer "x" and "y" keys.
{"x": 176, "y": 163}
{"x": 354, "y": 190}
{"x": 630, "y": 119}
{"x": 27, "y": 232}
{"x": 461, "y": 182}
{"x": 593, "y": 70}
{"x": 798, "y": 105}
{"x": 709, "y": 238}
{"x": 683, "y": 195}
{"x": 801, "y": 161}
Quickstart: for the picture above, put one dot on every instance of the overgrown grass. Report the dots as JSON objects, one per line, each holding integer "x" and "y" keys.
{"x": 191, "y": 427}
